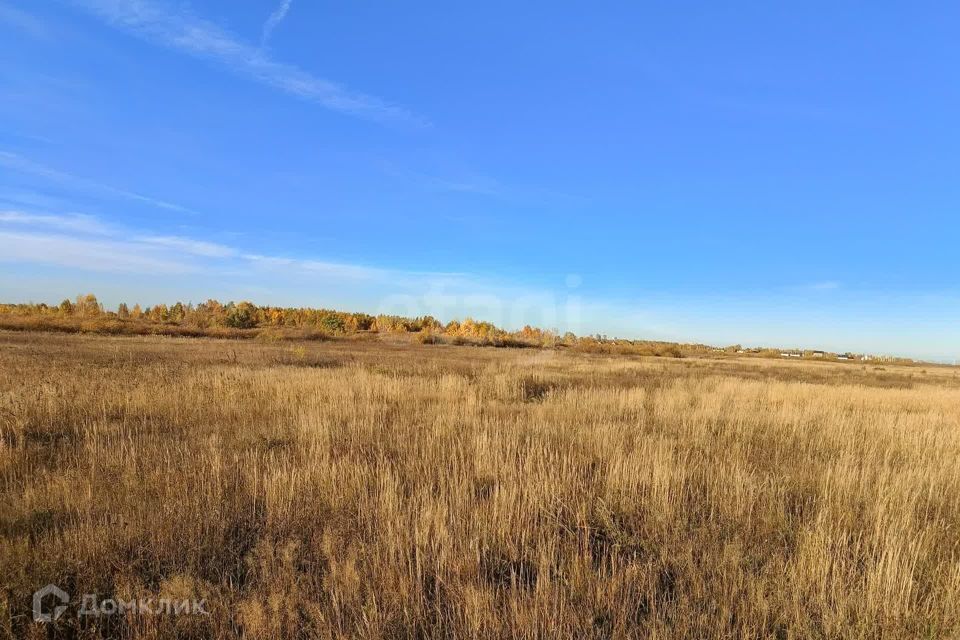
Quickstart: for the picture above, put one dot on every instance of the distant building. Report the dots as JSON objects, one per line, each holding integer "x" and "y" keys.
{"x": 817, "y": 354}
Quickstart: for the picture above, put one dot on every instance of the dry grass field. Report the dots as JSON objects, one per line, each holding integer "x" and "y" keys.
{"x": 383, "y": 490}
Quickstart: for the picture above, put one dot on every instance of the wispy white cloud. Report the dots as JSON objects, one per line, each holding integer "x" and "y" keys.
{"x": 23, "y": 21}
{"x": 475, "y": 184}
{"x": 826, "y": 285}
{"x": 71, "y": 222}
{"x": 462, "y": 182}
{"x": 329, "y": 271}
{"x": 273, "y": 21}
{"x": 311, "y": 267}
{"x": 320, "y": 268}
{"x": 19, "y": 198}
{"x": 189, "y": 245}
{"x": 84, "y": 242}
{"x": 18, "y": 163}
{"x": 85, "y": 253}
{"x": 184, "y": 32}
{"x": 67, "y": 238}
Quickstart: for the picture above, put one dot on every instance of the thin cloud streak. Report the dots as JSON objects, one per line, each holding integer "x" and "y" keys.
{"x": 204, "y": 39}
{"x": 85, "y": 253}
{"x": 74, "y": 222}
{"x": 20, "y": 164}
{"x": 18, "y": 198}
{"x": 79, "y": 241}
{"x": 23, "y": 21}
{"x": 827, "y": 285}
{"x": 189, "y": 245}
{"x": 274, "y": 21}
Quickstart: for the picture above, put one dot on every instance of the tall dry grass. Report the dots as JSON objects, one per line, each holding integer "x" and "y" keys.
{"x": 358, "y": 490}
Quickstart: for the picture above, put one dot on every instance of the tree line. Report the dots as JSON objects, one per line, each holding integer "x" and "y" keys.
{"x": 245, "y": 319}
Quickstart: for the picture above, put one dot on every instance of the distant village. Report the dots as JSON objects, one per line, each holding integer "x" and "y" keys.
{"x": 827, "y": 355}
{"x": 811, "y": 354}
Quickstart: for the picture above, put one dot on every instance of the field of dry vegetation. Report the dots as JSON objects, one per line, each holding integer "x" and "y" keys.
{"x": 383, "y": 490}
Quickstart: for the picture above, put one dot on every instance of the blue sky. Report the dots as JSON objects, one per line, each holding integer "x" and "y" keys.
{"x": 737, "y": 173}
